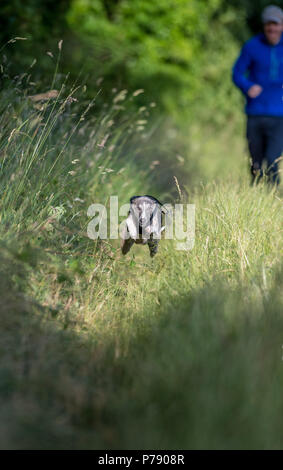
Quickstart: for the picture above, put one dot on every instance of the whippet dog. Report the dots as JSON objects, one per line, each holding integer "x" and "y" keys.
{"x": 143, "y": 224}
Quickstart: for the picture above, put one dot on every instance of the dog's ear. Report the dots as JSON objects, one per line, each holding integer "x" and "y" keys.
{"x": 132, "y": 200}
{"x": 134, "y": 212}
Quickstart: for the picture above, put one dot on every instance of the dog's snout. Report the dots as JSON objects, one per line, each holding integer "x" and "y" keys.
{"x": 143, "y": 220}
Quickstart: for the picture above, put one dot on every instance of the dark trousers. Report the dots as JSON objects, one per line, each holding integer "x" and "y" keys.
{"x": 265, "y": 139}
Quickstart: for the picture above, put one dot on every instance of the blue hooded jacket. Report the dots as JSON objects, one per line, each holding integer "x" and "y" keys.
{"x": 260, "y": 63}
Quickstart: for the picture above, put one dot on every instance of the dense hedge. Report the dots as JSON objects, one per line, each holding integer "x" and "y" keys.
{"x": 180, "y": 51}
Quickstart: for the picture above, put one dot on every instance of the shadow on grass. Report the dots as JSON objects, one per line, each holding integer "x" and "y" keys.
{"x": 205, "y": 372}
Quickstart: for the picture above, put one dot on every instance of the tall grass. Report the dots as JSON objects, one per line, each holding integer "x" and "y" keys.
{"x": 104, "y": 351}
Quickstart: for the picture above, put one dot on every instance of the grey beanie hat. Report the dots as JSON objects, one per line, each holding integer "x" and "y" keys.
{"x": 272, "y": 13}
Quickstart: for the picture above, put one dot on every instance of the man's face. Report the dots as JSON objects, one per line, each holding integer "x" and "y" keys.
{"x": 273, "y": 32}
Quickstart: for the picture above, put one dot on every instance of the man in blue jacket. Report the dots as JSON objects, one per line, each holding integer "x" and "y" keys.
{"x": 258, "y": 72}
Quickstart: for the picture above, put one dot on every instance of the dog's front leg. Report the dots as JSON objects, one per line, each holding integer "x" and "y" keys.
{"x": 152, "y": 245}
{"x": 126, "y": 242}
{"x": 126, "y": 245}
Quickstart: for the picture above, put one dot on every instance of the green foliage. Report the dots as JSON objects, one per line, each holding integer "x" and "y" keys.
{"x": 181, "y": 52}
{"x": 161, "y": 46}
{"x": 31, "y": 18}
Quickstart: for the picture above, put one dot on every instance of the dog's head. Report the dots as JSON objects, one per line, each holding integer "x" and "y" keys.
{"x": 144, "y": 217}
{"x": 143, "y": 208}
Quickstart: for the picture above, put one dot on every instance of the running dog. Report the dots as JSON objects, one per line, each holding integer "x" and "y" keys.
{"x": 143, "y": 224}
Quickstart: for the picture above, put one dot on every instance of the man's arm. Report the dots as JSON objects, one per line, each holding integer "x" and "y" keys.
{"x": 240, "y": 68}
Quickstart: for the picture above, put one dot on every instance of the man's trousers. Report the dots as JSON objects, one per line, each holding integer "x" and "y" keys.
{"x": 265, "y": 140}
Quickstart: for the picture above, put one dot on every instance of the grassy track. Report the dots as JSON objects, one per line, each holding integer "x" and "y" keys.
{"x": 104, "y": 351}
